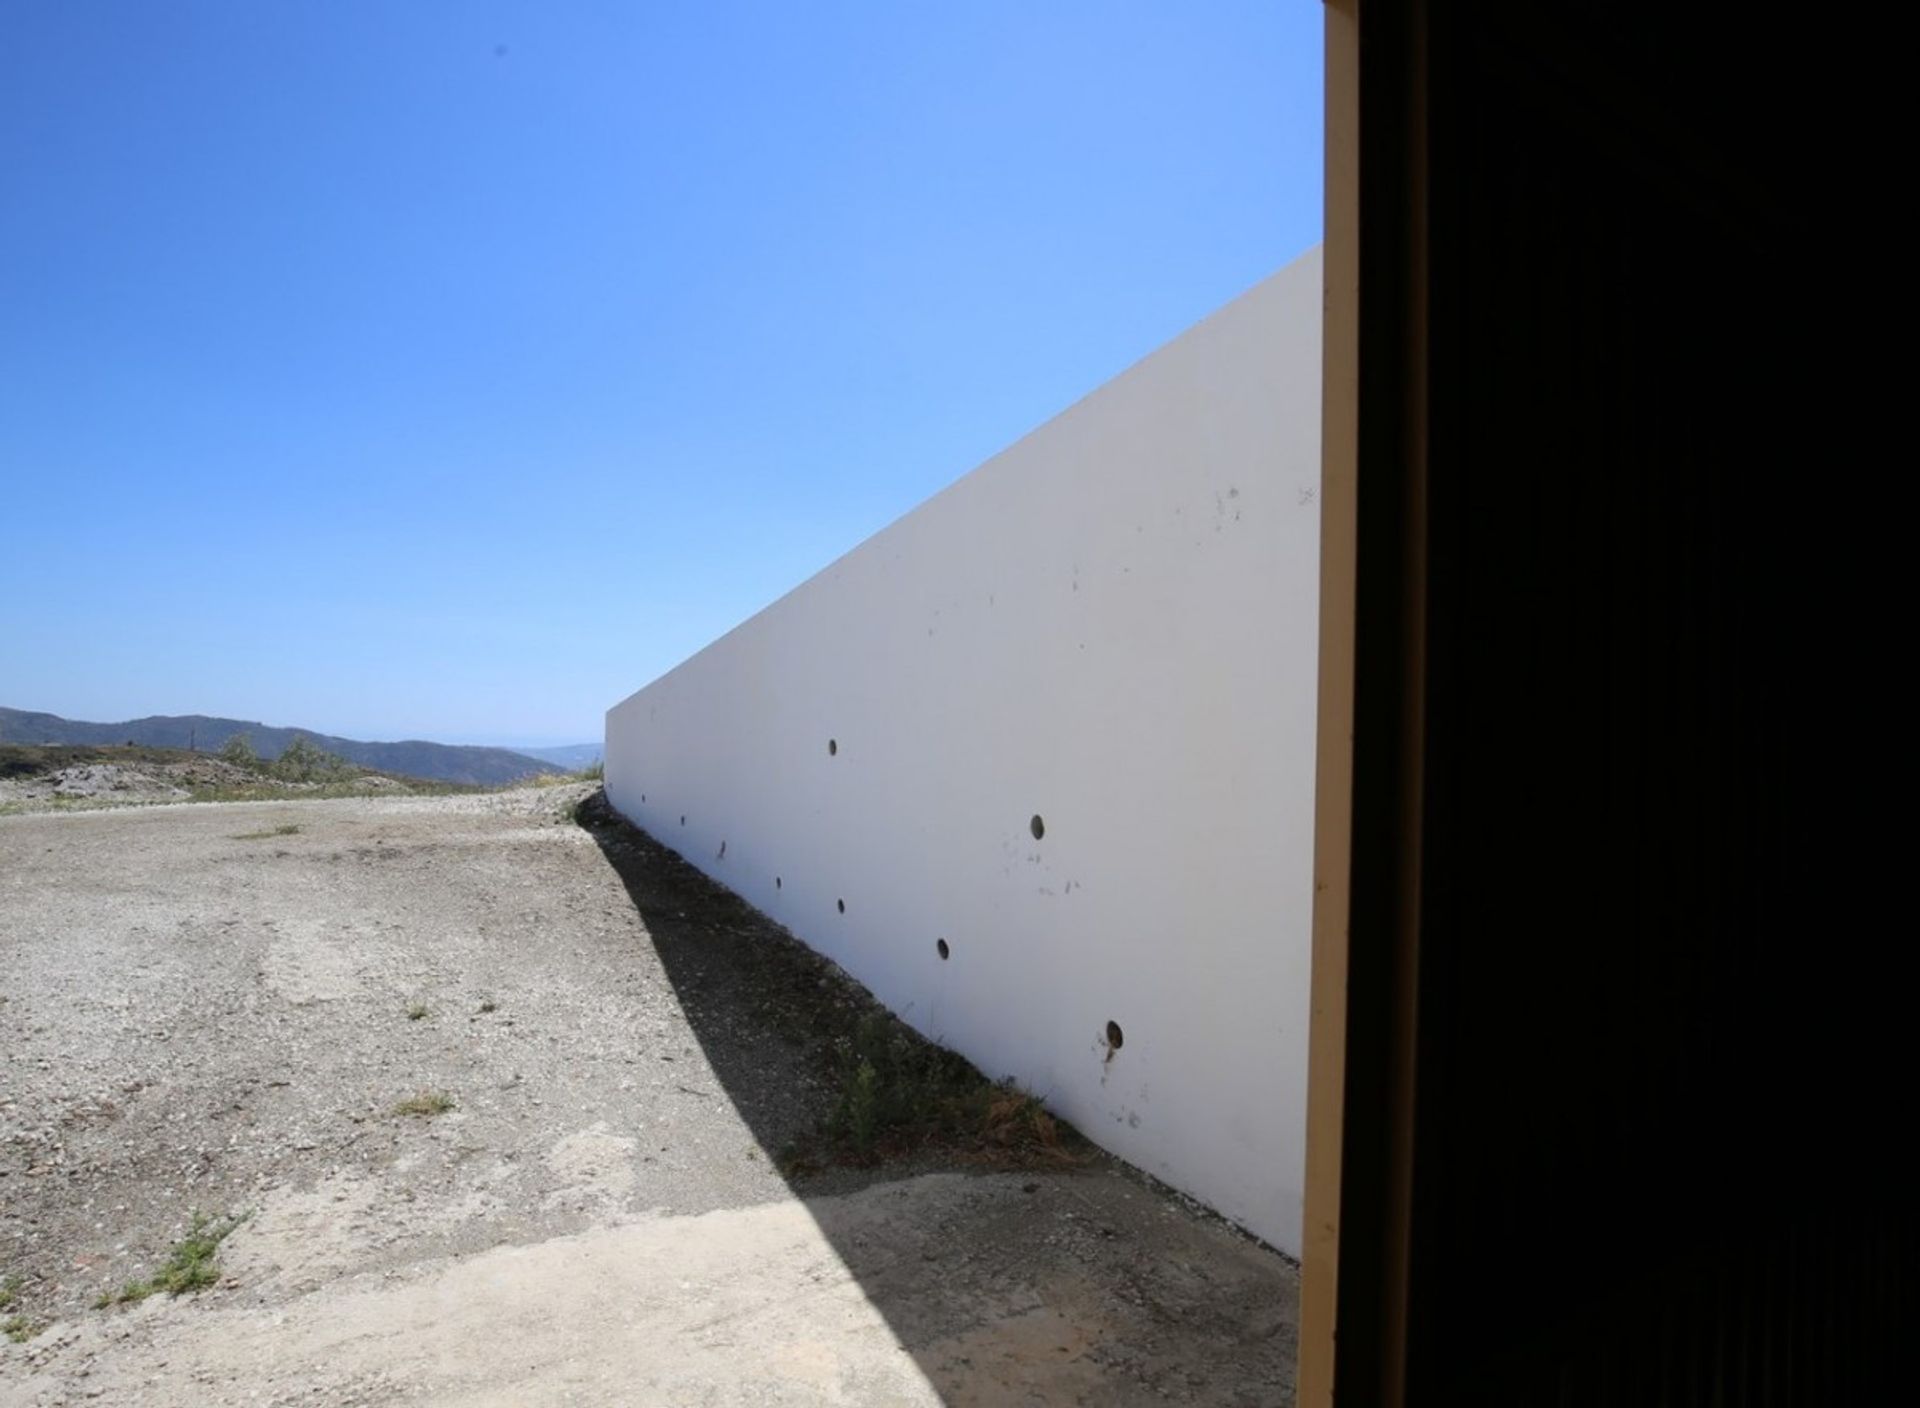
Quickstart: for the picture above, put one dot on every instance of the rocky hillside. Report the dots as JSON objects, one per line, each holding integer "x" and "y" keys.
{"x": 439, "y": 762}
{"x": 36, "y": 778}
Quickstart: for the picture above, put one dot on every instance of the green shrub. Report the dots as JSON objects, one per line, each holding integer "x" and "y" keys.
{"x": 303, "y": 760}
{"x": 238, "y": 750}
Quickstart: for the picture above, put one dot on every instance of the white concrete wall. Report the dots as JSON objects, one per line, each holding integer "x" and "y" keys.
{"x": 1109, "y": 626}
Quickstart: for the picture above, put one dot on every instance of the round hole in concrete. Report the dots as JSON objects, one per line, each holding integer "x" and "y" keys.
{"x": 1115, "y": 1037}
{"x": 1037, "y": 827}
{"x": 941, "y": 944}
{"x": 842, "y": 904}
{"x": 776, "y": 882}
{"x": 833, "y": 747}
{"x": 683, "y": 821}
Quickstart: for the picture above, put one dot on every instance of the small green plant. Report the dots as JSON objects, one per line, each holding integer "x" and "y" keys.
{"x": 17, "y": 1328}
{"x": 890, "y": 1081}
{"x": 416, "y": 1011}
{"x": 189, "y": 1266}
{"x": 287, "y": 830}
{"x": 859, "y": 1114}
{"x": 426, "y": 1104}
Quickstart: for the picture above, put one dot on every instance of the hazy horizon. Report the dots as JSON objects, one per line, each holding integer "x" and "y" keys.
{"x": 478, "y": 740}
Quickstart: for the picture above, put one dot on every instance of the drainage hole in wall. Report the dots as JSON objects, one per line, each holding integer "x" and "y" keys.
{"x": 833, "y": 747}
{"x": 842, "y": 904}
{"x": 1037, "y": 827}
{"x": 776, "y": 882}
{"x": 683, "y": 821}
{"x": 643, "y": 797}
{"x": 1115, "y": 1037}
{"x": 941, "y": 944}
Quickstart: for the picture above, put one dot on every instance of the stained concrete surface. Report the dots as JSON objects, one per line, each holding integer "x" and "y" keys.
{"x": 201, "y": 1012}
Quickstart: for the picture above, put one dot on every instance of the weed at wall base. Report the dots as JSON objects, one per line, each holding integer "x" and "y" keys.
{"x": 900, "y": 1093}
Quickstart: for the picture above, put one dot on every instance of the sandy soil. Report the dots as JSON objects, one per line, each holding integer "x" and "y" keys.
{"x": 203, "y": 1011}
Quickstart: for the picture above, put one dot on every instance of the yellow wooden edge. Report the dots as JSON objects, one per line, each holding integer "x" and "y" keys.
{"x": 1333, "y": 788}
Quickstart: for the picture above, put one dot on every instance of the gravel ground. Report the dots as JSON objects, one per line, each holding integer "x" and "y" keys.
{"x": 217, "y": 1009}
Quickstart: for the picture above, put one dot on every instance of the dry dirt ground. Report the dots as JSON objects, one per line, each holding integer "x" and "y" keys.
{"x": 217, "y": 1008}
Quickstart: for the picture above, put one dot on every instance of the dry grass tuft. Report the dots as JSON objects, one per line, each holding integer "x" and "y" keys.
{"x": 426, "y": 1104}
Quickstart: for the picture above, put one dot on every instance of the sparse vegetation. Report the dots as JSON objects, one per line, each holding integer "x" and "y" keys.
{"x": 416, "y": 1011}
{"x": 190, "y": 1265}
{"x": 303, "y": 760}
{"x": 592, "y": 773}
{"x": 238, "y": 750}
{"x": 289, "y": 829}
{"x": 15, "y": 1326}
{"x": 426, "y": 1104}
{"x": 487, "y": 1004}
{"x": 900, "y": 1093}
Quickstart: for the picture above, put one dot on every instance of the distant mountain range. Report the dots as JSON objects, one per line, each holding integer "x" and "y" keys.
{"x": 442, "y": 762}
{"x": 570, "y": 757}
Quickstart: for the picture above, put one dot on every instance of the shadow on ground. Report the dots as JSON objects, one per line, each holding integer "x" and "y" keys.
{"x": 1023, "y": 1281}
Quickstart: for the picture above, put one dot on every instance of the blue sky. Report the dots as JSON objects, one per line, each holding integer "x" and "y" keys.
{"x": 450, "y": 370}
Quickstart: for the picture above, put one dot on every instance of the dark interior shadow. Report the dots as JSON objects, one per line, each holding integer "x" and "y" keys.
{"x": 996, "y": 1308}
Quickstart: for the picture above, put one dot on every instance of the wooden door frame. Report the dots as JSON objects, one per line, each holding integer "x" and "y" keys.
{"x": 1371, "y": 709}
